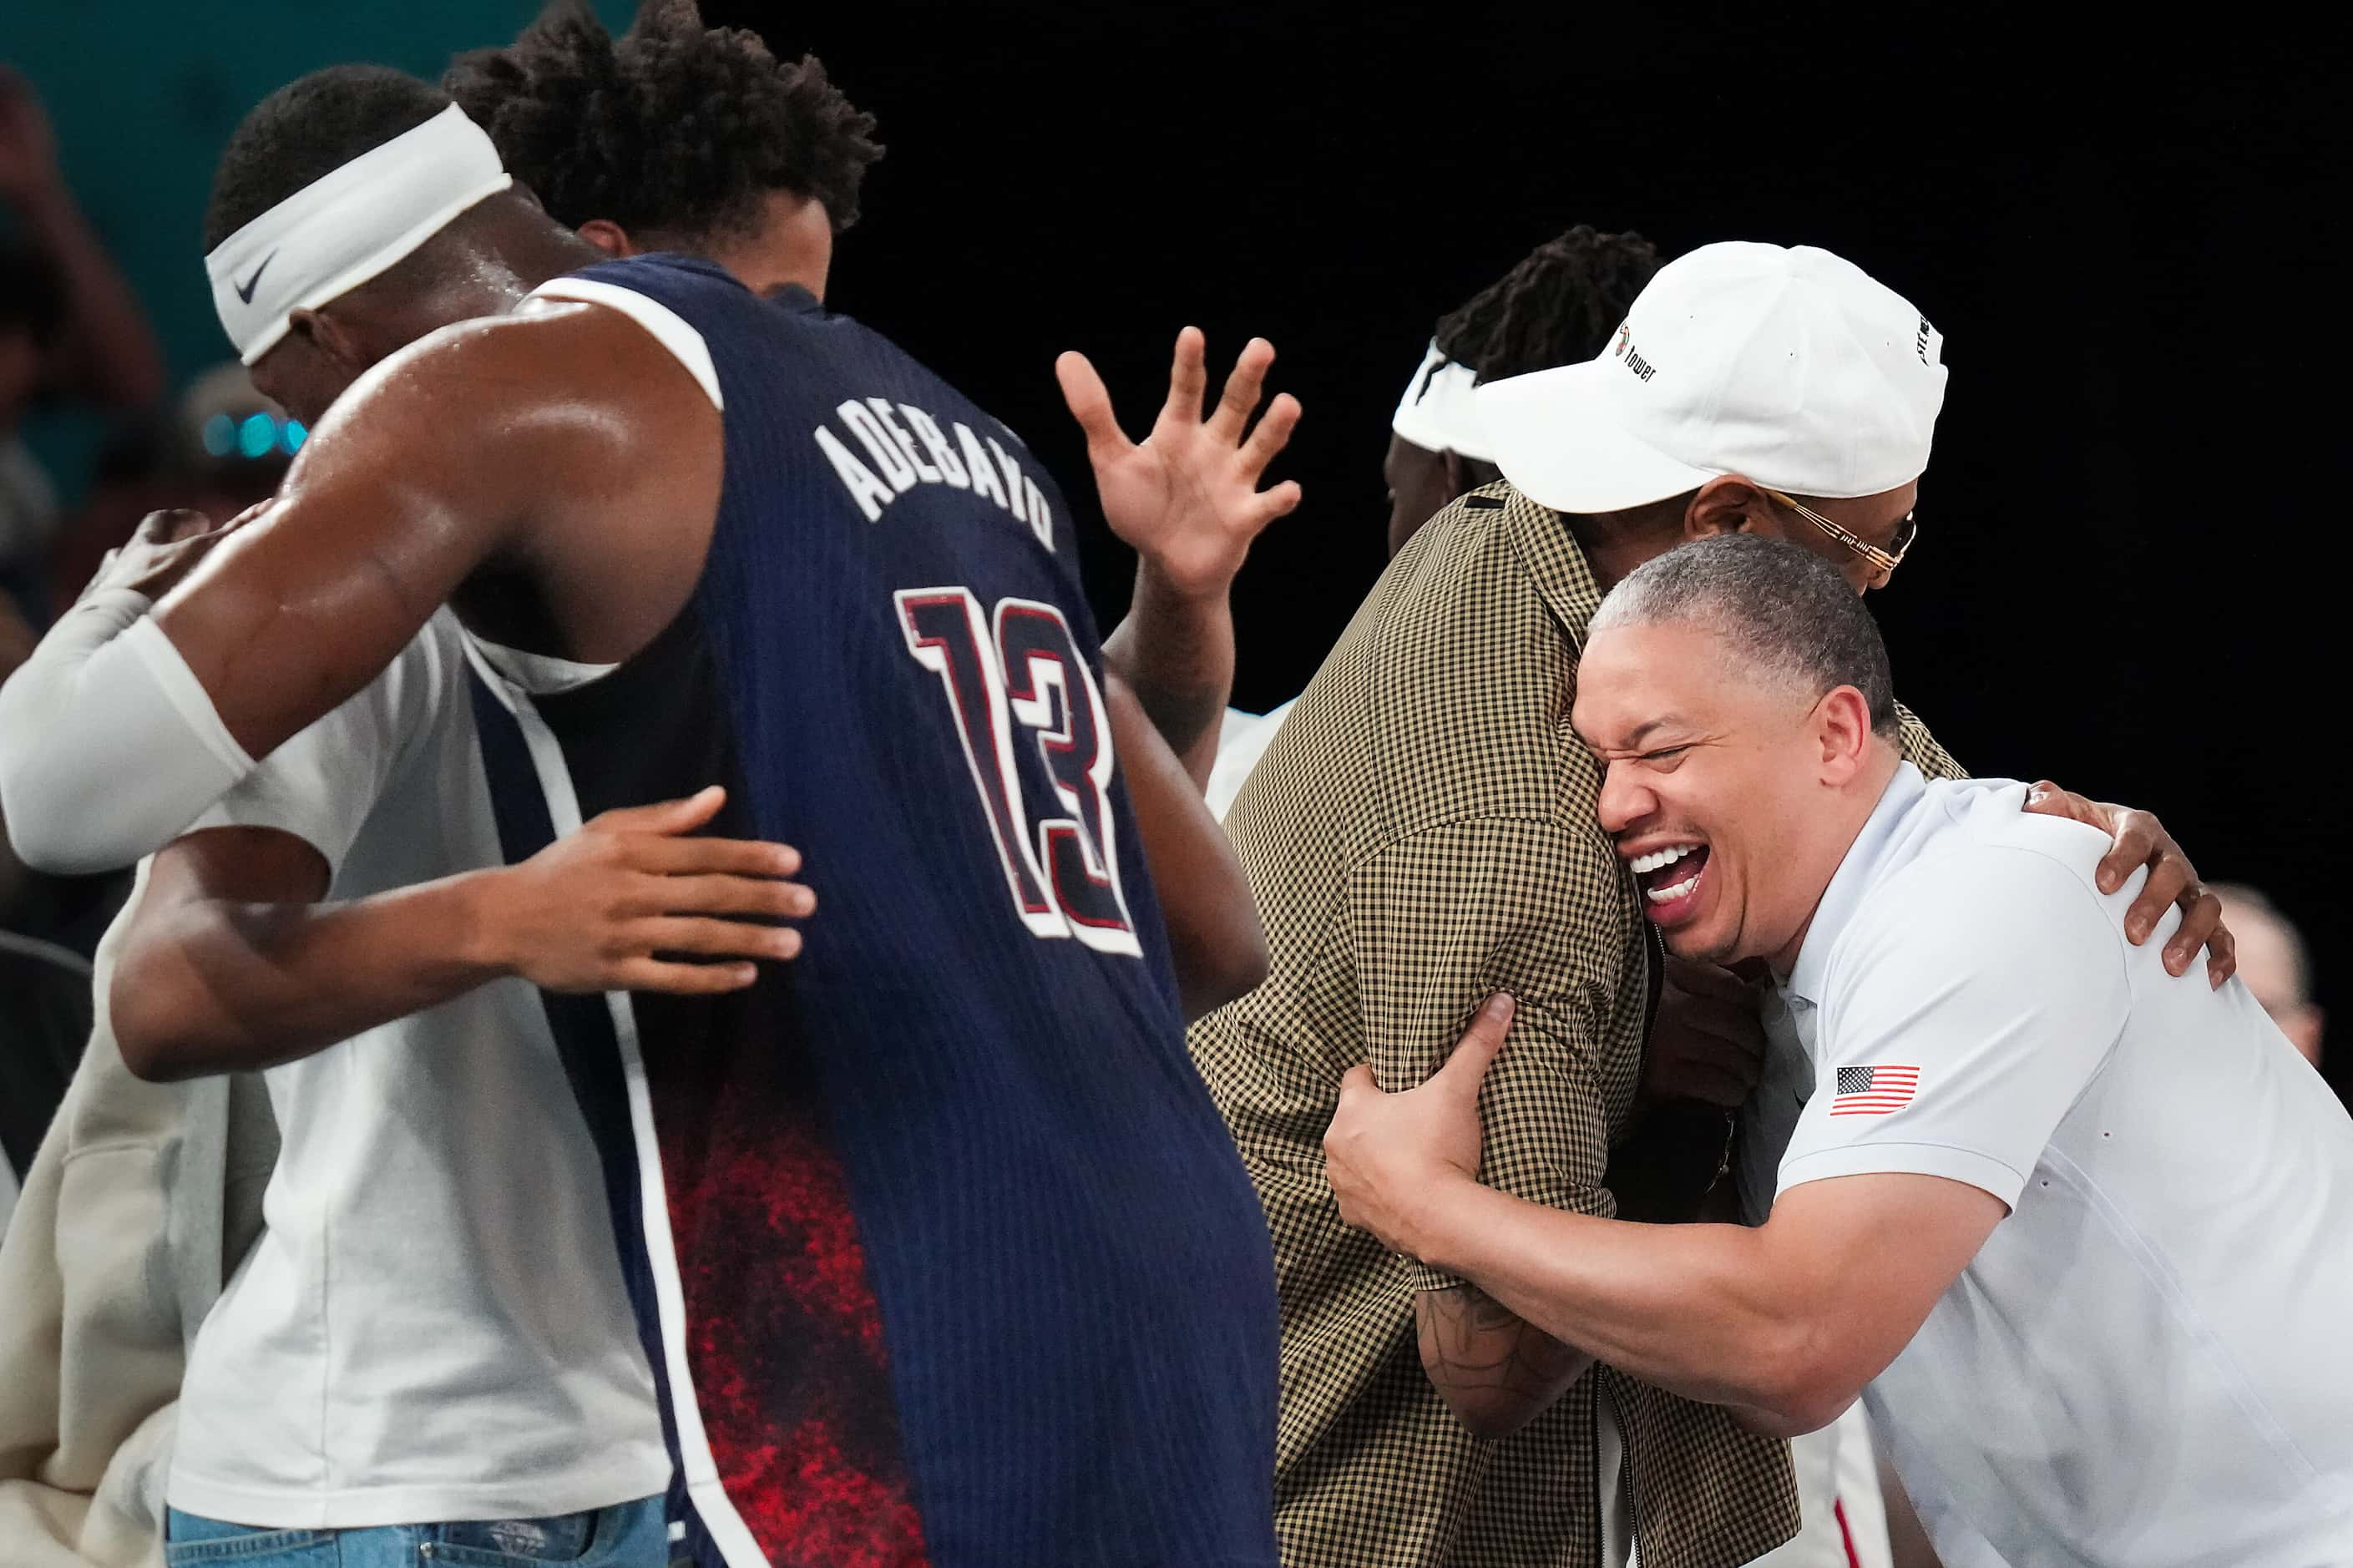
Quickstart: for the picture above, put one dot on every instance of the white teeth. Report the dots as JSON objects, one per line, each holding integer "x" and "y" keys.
{"x": 1659, "y": 858}
{"x": 1682, "y": 890}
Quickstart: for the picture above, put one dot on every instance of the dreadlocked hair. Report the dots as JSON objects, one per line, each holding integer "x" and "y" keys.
{"x": 672, "y": 128}
{"x": 1557, "y": 307}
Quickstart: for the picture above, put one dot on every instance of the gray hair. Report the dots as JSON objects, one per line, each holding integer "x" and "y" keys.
{"x": 1776, "y": 606}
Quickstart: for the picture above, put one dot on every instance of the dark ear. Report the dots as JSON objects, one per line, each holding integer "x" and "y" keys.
{"x": 607, "y": 236}
{"x": 325, "y": 330}
{"x": 1723, "y": 505}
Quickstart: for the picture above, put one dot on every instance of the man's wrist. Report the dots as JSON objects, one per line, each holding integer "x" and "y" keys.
{"x": 1434, "y": 1231}
{"x": 1194, "y": 593}
{"x": 478, "y": 914}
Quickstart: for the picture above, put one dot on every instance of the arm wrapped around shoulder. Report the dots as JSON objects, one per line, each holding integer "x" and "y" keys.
{"x": 109, "y": 747}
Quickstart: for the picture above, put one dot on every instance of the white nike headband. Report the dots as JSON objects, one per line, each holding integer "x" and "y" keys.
{"x": 1437, "y": 414}
{"x": 349, "y": 225}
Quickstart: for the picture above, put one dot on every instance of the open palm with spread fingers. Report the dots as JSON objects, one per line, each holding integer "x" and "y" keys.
{"x": 1189, "y": 495}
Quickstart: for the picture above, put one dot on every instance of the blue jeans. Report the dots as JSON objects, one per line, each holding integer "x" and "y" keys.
{"x": 626, "y": 1536}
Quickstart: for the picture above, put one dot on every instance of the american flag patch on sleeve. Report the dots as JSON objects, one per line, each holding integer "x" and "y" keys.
{"x": 1873, "y": 1090}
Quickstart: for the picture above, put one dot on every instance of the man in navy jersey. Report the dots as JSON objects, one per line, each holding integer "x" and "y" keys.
{"x": 1035, "y": 1322}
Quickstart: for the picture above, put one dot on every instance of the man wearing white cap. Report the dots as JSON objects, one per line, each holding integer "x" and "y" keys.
{"x": 1420, "y": 834}
{"x": 2081, "y": 1235}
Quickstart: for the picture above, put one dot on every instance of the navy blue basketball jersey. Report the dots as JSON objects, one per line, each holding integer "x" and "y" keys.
{"x": 940, "y": 1250}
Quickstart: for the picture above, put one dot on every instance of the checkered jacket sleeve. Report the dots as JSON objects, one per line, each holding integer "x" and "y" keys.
{"x": 1442, "y": 918}
{"x": 1920, "y": 748}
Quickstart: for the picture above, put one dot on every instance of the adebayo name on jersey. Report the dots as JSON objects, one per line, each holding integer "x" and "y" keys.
{"x": 905, "y": 446}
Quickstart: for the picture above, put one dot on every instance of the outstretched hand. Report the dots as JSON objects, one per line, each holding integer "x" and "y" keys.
{"x": 1385, "y": 1153}
{"x": 1187, "y": 497}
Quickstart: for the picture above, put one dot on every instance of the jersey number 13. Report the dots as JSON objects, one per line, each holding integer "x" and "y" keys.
{"x": 1021, "y": 685}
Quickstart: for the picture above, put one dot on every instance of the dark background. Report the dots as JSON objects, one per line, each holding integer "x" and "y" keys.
{"x": 2122, "y": 580}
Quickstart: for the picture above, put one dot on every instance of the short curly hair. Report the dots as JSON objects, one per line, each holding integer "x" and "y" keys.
{"x": 1557, "y": 307}
{"x": 672, "y": 128}
{"x": 305, "y": 132}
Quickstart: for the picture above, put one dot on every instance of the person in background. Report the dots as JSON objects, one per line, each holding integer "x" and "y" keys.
{"x": 1557, "y": 306}
{"x": 70, "y": 327}
{"x": 2275, "y": 965}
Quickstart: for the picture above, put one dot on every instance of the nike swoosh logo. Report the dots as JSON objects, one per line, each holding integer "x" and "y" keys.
{"x": 245, "y": 289}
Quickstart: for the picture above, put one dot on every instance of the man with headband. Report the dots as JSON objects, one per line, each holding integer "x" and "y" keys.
{"x": 429, "y": 1345}
{"x": 1420, "y": 836}
{"x": 1039, "y": 1289}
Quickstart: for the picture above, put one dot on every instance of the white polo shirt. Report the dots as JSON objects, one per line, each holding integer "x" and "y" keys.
{"x": 433, "y": 1325}
{"x": 2149, "y": 1362}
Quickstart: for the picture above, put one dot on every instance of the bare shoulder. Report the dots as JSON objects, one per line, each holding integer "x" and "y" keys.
{"x": 545, "y": 395}
{"x": 547, "y": 357}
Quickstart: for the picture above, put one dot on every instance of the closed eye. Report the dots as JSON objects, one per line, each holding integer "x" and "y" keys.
{"x": 1663, "y": 754}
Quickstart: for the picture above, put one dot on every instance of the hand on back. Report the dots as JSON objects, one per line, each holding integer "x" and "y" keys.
{"x": 165, "y": 548}
{"x": 2141, "y": 840}
{"x": 633, "y": 901}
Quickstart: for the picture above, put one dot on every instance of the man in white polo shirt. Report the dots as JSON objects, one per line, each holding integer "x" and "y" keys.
{"x": 2085, "y": 1233}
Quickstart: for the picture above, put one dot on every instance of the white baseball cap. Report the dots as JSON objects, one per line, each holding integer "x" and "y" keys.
{"x": 1789, "y": 366}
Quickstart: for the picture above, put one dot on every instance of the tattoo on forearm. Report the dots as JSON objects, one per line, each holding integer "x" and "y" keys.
{"x": 1471, "y": 1343}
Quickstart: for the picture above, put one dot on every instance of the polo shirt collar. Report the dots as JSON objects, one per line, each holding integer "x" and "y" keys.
{"x": 1553, "y": 560}
{"x": 1855, "y": 875}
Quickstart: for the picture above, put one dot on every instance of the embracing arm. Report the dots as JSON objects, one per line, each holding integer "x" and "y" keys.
{"x": 1214, "y": 939}
{"x": 1547, "y": 1133}
{"x": 231, "y": 961}
{"x": 1786, "y": 1321}
{"x": 451, "y": 453}
{"x": 2139, "y": 839}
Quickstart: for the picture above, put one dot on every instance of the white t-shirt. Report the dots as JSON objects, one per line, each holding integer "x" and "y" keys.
{"x": 2147, "y": 1365}
{"x": 433, "y": 1326}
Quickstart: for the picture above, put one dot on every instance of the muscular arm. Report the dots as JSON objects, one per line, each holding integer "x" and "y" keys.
{"x": 567, "y": 444}
{"x": 1214, "y": 935}
{"x": 540, "y": 439}
{"x": 1785, "y": 1322}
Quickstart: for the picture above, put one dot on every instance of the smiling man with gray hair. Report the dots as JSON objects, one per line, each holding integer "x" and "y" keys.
{"x": 2000, "y": 1210}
